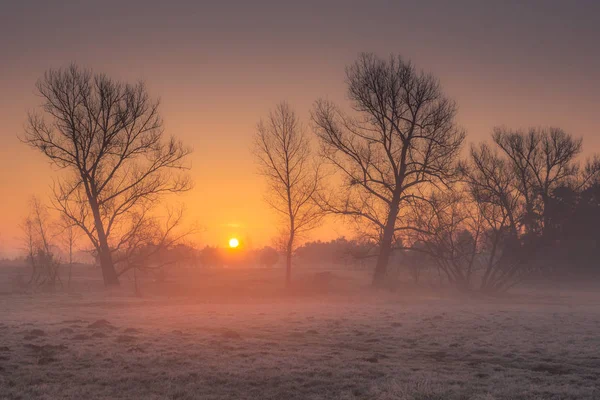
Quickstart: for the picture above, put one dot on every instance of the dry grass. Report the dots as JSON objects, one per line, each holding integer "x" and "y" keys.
{"x": 114, "y": 346}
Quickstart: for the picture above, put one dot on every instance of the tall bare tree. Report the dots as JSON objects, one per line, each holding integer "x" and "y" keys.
{"x": 282, "y": 149}
{"x": 108, "y": 138}
{"x": 399, "y": 142}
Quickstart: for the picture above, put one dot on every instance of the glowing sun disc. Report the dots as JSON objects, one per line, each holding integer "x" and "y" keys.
{"x": 233, "y": 243}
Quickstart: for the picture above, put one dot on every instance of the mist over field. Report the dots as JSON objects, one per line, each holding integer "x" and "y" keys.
{"x": 300, "y": 200}
{"x": 218, "y": 332}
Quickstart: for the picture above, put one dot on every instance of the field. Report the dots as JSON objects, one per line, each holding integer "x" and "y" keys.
{"x": 224, "y": 342}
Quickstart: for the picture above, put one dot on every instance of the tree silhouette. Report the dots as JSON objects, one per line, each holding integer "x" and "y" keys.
{"x": 283, "y": 153}
{"x": 542, "y": 160}
{"x": 400, "y": 141}
{"x": 38, "y": 237}
{"x": 522, "y": 190}
{"x": 268, "y": 257}
{"x": 108, "y": 138}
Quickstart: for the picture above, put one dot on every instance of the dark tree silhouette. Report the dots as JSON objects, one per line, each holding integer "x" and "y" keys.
{"x": 108, "y": 138}
{"x": 542, "y": 160}
{"x": 518, "y": 192}
{"x": 572, "y": 234}
{"x": 282, "y": 150}
{"x": 38, "y": 231}
{"x": 493, "y": 188}
{"x": 400, "y": 141}
{"x": 268, "y": 257}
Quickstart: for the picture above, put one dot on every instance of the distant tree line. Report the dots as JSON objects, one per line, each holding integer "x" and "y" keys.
{"x": 183, "y": 255}
{"x": 337, "y": 252}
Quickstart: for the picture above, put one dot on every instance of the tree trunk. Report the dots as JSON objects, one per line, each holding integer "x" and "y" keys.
{"x": 288, "y": 268}
{"x": 288, "y": 257}
{"x": 135, "y": 282}
{"x": 385, "y": 247}
{"x": 70, "y": 258}
{"x": 108, "y": 269}
{"x": 106, "y": 263}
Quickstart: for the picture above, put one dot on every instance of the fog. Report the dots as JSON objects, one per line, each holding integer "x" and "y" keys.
{"x": 371, "y": 235}
{"x": 237, "y": 332}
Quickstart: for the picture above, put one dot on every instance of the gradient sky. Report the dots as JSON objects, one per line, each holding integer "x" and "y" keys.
{"x": 219, "y": 66}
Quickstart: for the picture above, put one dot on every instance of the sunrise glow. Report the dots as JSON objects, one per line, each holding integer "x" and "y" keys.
{"x": 300, "y": 199}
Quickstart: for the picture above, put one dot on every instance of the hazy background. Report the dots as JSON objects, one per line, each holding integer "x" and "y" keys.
{"x": 218, "y": 68}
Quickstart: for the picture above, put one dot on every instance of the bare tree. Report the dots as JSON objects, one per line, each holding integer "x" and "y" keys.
{"x": 69, "y": 235}
{"x": 283, "y": 152}
{"x": 510, "y": 187}
{"x": 542, "y": 160}
{"x": 494, "y": 197}
{"x": 108, "y": 138}
{"x": 450, "y": 232}
{"x": 38, "y": 238}
{"x": 400, "y": 142}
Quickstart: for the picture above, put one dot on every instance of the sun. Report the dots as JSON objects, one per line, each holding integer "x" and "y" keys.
{"x": 233, "y": 243}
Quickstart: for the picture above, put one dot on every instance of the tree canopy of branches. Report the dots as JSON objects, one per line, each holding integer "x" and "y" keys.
{"x": 541, "y": 160}
{"x": 449, "y": 232}
{"x": 492, "y": 228}
{"x": 107, "y": 138}
{"x": 283, "y": 153}
{"x": 399, "y": 142}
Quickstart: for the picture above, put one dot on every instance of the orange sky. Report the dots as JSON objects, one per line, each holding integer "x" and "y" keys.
{"x": 218, "y": 69}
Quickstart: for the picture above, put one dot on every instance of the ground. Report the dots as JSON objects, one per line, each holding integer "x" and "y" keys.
{"x": 112, "y": 345}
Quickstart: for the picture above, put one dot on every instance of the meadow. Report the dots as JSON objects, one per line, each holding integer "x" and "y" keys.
{"x": 238, "y": 335}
